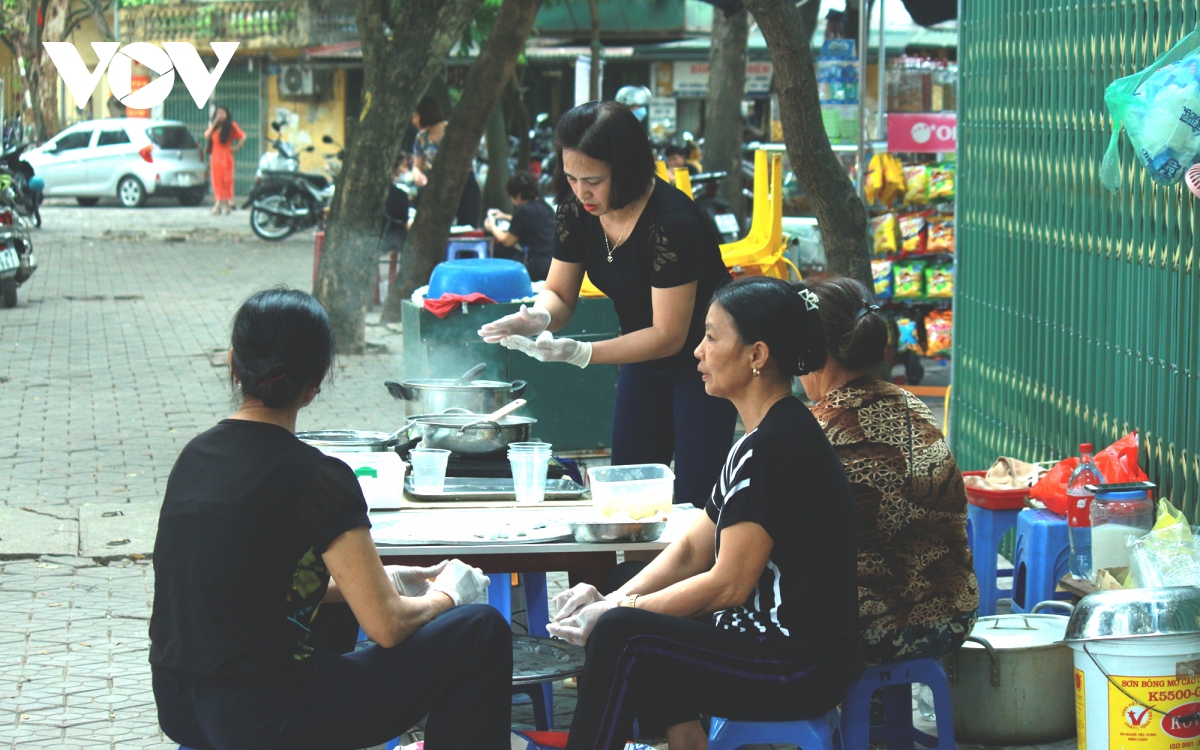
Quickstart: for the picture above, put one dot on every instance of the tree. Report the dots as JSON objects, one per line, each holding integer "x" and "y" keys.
{"x": 726, "y": 89}
{"x": 404, "y": 47}
{"x": 23, "y": 28}
{"x": 488, "y": 76}
{"x": 594, "y": 69}
{"x": 840, "y": 213}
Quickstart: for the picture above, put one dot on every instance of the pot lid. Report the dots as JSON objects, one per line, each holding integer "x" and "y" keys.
{"x": 1136, "y": 613}
{"x": 1019, "y": 631}
{"x": 344, "y": 438}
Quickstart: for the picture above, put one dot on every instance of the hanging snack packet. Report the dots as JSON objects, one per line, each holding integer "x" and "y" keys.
{"x": 910, "y": 339}
{"x": 910, "y": 280}
{"x": 941, "y": 234}
{"x": 884, "y": 229}
{"x": 881, "y": 271}
{"x": 912, "y": 233}
{"x": 893, "y": 180}
{"x": 939, "y": 282}
{"x": 916, "y": 185}
{"x": 941, "y": 183}
{"x": 939, "y": 333}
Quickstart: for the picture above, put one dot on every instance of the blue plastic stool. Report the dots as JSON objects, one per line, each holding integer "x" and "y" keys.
{"x": 1040, "y": 558}
{"x": 470, "y": 248}
{"x": 821, "y": 733}
{"x": 985, "y": 528}
{"x": 897, "y": 731}
{"x": 537, "y": 614}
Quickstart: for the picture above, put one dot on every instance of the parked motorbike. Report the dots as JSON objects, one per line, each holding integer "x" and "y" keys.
{"x": 285, "y": 200}
{"x": 17, "y": 261}
{"x": 20, "y": 189}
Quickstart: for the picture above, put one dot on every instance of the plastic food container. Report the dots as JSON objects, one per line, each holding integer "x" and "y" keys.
{"x": 995, "y": 499}
{"x": 500, "y": 279}
{"x": 637, "y": 491}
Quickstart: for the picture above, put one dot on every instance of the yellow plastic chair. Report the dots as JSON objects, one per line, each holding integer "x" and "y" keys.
{"x": 761, "y": 252}
{"x": 660, "y": 168}
{"x": 683, "y": 181}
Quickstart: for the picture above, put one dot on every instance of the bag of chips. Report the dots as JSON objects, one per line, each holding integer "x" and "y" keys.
{"x": 939, "y": 282}
{"x": 909, "y": 280}
{"x": 912, "y": 233}
{"x": 939, "y": 333}
{"x": 909, "y": 337}
{"x": 916, "y": 185}
{"x": 881, "y": 271}
{"x": 940, "y": 237}
{"x": 941, "y": 183}
{"x": 884, "y": 229}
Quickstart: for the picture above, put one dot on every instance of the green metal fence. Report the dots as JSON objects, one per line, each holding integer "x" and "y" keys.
{"x": 1076, "y": 312}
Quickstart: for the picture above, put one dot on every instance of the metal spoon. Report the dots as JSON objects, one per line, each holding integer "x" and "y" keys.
{"x": 495, "y": 416}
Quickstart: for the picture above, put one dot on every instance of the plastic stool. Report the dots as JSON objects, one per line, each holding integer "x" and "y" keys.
{"x": 1041, "y": 557}
{"x": 459, "y": 249}
{"x": 897, "y": 731}
{"x": 985, "y": 528}
{"x": 537, "y": 614}
{"x": 821, "y": 733}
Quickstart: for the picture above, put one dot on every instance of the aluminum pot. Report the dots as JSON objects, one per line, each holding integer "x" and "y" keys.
{"x": 436, "y": 395}
{"x": 351, "y": 441}
{"x": 1012, "y": 682}
{"x": 469, "y": 434}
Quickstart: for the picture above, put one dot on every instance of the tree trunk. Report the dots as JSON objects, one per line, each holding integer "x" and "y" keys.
{"x": 396, "y": 71}
{"x": 840, "y": 214}
{"x": 40, "y": 79}
{"x": 726, "y": 89}
{"x": 498, "y": 172}
{"x": 594, "y": 71}
{"x": 488, "y": 75}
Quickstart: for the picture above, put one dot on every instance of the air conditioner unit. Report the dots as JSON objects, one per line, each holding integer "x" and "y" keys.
{"x": 295, "y": 80}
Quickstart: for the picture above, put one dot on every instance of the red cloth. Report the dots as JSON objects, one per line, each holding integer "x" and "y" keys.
{"x": 222, "y": 162}
{"x": 451, "y": 302}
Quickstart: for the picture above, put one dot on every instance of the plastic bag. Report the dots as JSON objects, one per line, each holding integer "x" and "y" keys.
{"x": 1118, "y": 463}
{"x": 1169, "y": 555}
{"x": 881, "y": 271}
{"x": 939, "y": 333}
{"x": 883, "y": 234}
{"x": 913, "y": 233}
{"x": 916, "y": 185}
{"x": 909, "y": 280}
{"x": 1159, "y": 109}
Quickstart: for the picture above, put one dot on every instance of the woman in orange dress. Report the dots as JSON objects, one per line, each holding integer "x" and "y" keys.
{"x": 223, "y": 138}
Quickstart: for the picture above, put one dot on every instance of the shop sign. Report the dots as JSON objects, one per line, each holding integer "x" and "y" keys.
{"x": 922, "y": 133}
{"x": 1154, "y": 713}
{"x": 691, "y": 78}
{"x": 662, "y": 108}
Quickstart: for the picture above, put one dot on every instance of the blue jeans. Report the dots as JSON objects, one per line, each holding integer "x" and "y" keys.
{"x": 663, "y": 412}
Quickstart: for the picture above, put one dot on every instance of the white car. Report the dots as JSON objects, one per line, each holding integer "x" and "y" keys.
{"x": 130, "y": 159}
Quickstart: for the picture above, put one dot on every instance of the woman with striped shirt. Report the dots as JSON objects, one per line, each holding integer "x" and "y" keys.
{"x": 773, "y": 558}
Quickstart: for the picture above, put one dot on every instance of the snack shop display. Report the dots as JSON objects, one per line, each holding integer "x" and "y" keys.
{"x": 884, "y": 231}
{"x": 940, "y": 235}
{"x": 909, "y": 279}
{"x": 939, "y": 282}
{"x": 916, "y": 185}
{"x": 939, "y": 333}
{"x": 941, "y": 183}
{"x": 912, "y": 233}
{"x": 881, "y": 270}
{"x": 909, "y": 339}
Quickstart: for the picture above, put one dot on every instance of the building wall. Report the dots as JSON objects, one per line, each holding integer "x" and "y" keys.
{"x": 1076, "y": 309}
{"x": 308, "y": 120}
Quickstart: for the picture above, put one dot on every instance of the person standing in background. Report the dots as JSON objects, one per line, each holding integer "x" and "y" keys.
{"x": 222, "y": 140}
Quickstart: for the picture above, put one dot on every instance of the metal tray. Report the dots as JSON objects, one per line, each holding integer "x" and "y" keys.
{"x": 493, "y": 488}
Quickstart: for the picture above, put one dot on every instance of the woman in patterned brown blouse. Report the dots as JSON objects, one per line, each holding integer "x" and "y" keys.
{"x": 917, "y": 591}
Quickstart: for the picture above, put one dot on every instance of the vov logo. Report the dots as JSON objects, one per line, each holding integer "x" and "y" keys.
{"x": 178, "y": 57}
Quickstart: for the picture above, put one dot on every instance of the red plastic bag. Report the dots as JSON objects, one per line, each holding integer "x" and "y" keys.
{"x": 1118, "y": 463}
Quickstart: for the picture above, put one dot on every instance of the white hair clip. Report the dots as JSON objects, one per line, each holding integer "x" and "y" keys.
{"x": 810, "y": 299}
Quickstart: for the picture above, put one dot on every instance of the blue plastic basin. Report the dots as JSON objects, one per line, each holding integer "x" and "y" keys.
{"x": 500, "y": 279}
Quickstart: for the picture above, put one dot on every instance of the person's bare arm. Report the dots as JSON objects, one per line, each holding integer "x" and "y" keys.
{"x": 691, "y": 554}
{"x": 359, "y": 580}
{"x": 560, "y": 295}
{"x": 672, "y": 318}
{"x": 236, "y": 145}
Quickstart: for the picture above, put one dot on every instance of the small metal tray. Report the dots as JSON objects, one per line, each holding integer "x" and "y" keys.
{"x": 493, "y": 488}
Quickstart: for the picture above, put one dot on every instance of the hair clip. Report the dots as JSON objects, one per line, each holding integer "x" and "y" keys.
{"x": 810, "y": 299}
{"x": 865, "y": 310}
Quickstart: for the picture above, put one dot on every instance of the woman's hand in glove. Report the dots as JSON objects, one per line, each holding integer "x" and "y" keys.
{"x": 546, "y": 348}
{"x": 462, "y": 583}
{"x": 410, "y": 581}
{"x": 528, "y": 321}
{"x": 578, "y": 629}
{"x": 568, "y": 602}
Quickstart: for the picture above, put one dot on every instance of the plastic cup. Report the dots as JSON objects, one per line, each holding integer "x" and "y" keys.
{"x": 530, "y": 462}
{"x": 428, "y": 468}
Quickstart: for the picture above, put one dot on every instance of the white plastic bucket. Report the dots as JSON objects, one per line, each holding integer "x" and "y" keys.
{"x": 1138, "y": 693}
{"x": 386, "y": 487}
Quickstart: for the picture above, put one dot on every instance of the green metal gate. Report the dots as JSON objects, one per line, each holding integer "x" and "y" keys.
{"x": 1077, "y": 312}
{"x": 240, "y": 91}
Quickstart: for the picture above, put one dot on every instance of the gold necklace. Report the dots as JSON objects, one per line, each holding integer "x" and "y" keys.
{"x": 608, "y": 247}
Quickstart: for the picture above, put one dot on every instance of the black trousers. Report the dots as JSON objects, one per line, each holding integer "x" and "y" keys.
{"x": 665, "y": 670}
{"x": 457, "y": 670}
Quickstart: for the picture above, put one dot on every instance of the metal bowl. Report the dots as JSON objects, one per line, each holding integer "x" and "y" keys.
{"x": 1135, "y": 613}
{"x": 350, "y": 441}
{"x": 589, "y": 532}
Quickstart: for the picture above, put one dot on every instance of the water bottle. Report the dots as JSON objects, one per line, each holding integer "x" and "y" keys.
{"x": 1079, "y": 513}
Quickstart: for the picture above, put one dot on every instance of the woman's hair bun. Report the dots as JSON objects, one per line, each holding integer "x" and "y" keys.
{"x": 856, "y": 331}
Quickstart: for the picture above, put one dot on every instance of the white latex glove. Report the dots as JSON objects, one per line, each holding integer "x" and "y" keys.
{"x": 578, "y": 629}
{"x": 462, "y": 583}
{"x": 568, "y": 602}
{"x": 411, "y": 581}
{"x": 528, "y": 321}
{"x": 546, "y": 348}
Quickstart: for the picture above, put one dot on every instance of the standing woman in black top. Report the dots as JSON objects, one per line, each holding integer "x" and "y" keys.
{"x": 644, "y": 244}
{"x": 773, "y": 559}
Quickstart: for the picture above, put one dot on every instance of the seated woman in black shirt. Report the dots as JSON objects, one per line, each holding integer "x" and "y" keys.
{"x": 773, "y": 558}
{"x": 253, "y": 524}
{"x": 530, "y": 231}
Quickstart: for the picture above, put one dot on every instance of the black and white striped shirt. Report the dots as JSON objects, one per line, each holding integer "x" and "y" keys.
{"x": 786, "y": 477}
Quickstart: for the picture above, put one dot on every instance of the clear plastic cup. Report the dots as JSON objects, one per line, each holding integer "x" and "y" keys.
{"x": 530, "y": 462}
{"x": 428, "y": 468}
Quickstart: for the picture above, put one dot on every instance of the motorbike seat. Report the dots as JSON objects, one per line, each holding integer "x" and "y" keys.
{"x": 318, "y": 181}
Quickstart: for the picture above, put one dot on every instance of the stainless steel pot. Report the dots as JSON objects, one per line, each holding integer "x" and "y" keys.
{"x": 469, "y": 434}
{"x": 587, "y": 532}
{"x": 351, "y": 441}
{"x": 1012, "y": 681}
{"x": 436, "y": 395}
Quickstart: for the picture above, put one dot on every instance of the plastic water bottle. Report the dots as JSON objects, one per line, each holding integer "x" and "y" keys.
{"x": 1079, "y": 513}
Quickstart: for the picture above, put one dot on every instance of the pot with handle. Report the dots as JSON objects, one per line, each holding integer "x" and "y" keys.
{"x": 424, "y": 396}
{"x": 469, "y": 434}
{"x": 1011, "y": 683}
